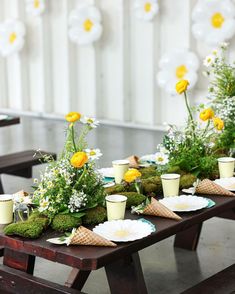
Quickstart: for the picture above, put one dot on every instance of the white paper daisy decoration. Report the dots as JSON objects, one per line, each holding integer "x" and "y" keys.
{"x": 175, "y": 66}
{"x": 35, "y": 7}
{"x": 146, "y": 9}
{"x": 214, "y": 21}
{"x": 85, "y": 25}
{"x": 12, "y": 34}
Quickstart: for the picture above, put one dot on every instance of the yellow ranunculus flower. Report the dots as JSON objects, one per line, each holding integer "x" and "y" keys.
{"x": 206, "y": 114}
{"x": 79, "y": 159}
{"x": 131, "y": 175}
{"x": 218, "y": 123}
{"x": 73, "y": 116}
{"x": 182, "y": 86}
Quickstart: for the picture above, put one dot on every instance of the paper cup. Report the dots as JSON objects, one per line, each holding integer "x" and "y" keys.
{"x": 226, "y": 167}
{"x": 116, "y": 206}
{"x": 170, "y": 184}
{"x": 120, "y": 168}
{"x": 6, "y": 209}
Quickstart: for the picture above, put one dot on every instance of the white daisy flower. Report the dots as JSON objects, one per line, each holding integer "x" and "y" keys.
{"x": 92, "y": 122}
{"x": 12, "y": 34}
{"x": 35, "y": 7}
{"x": 175, "y": 66}
{"x": 161, "y": 158}
{"x": 44, "y": 203}
{"x": 214, "y": 21}
{"x": 209, "y": 60}
{"x": 146, "y": 9}
{"x": 93, "y": 154}
{"x": 85, "y": 24}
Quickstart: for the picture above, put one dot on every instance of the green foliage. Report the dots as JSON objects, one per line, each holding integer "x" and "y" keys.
{"x": 115, "y": 189}
{"x": 187, "y": 180}
{"x": 226, "y": 141}
{"x": 95, "y": 216}
{"x": 133, "y": 198}
{"x": 148, "y": 172}
{"x": 152, "y": 185}
{"x": 65, "y": 222}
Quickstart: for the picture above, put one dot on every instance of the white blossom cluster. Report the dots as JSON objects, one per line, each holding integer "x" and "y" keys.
{"x": 226, "y": 109}
{"x": 77, "y": 200}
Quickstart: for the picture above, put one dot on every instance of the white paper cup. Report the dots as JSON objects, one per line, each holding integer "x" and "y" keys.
{"x": 120, "y": 168}
{"x": 226, "y": 167}
{"x": 170, "y": 184}
{"x": 116, "y": 206}
{"x": 6, "y": 209}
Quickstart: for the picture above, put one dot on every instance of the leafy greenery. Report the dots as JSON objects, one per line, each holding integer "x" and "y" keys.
{"x": 65, "y": 222}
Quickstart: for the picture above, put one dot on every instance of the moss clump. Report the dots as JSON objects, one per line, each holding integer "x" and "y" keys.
{"x": 187, "y": 181}
{"x": 27, "y": 229}
{"x": 133, "y": 198}
{"x": 65, "y": 222}
{"x": 152, "y": 186}
{"x": 175, "y": 170}
{"x": 148, "y": 172}
{"x": 39, "y": 218}
{"x": 95, "y": 216}
{"x": 115, "y": 189}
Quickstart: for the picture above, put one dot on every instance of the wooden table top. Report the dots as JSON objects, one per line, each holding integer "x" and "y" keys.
{"x": 9, "y": 121}
{"x": 91, "y": 258}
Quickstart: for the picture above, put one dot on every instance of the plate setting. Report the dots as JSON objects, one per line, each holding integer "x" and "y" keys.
{"x": 227, "y": 183}
{"x": 123, "y": 230}
{"x": 184, "y": 203}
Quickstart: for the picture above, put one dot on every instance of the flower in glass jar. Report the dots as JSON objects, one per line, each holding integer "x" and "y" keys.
{"x": 206, "y": 114}
{"x": 73, "y": 116}
{"x": 131, "y": 175}
{"x": 218, "y": 123}
{"x": 79, "y": 159}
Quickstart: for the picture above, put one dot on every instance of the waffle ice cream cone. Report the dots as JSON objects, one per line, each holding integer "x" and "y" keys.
{"x": 134, "y": 161}
{"x": 83, "y": 236}
{"x": 157, "y": 209}
{"x": 211, "y": 188}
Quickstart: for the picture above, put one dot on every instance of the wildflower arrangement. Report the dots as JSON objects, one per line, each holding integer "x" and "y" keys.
{"x": 133, "y": 176}
{"x": 71, "y": 185}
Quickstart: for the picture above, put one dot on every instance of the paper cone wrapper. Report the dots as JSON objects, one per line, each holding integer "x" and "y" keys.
{"x": 211, "y": 188}
{"x": 134, "y": 161}
{"x": 157, "y": 209}
{"x": 83, "y": 236}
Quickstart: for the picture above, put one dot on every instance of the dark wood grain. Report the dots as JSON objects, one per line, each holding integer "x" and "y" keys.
{"x": 9, "y": 121}
{"x": 77, "y": 278}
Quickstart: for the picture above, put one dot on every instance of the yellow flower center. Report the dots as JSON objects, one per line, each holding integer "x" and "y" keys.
{"x": 147, "y": 7}
{"x": 88, "y": 24}
{"x": 217, "y": 20}
{"x": 181, "y": 71}
{"x": 90, "y": 120}
{"x": 12, "y": 38}
{"x": 160, "y": 159}
{"x": 36, "y": 3}
{"x": 92, "y": 153}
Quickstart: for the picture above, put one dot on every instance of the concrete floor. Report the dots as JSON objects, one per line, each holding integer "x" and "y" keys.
{"x": 166, "y": 270}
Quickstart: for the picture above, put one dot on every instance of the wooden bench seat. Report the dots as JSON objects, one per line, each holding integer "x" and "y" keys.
{"x": 221, "y": 283}
{"x": 18, "y": 282}
{"x": 21, "y": 163}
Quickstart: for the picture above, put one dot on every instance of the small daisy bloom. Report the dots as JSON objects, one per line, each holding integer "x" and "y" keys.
{"x": 93, "y": 154}
{"x": 92, "y": 122}
{"x": 44, "y": 204}
{"x": 85, "y": 24}
{"x": 146, "y": 9}
{"x": 214, "y": 21}
{"x": 161, "y": 158}
{"x": 176, "y": 66}
{"x": 209, "y": 60}
{"x": 12, "y": 34}
{"x": 35, "y": 7}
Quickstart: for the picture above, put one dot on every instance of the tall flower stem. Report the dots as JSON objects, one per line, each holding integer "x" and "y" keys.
{"x": 190, "y": 113}
{"x": 73, "y": 139}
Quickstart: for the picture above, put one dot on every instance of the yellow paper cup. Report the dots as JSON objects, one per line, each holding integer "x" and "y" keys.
{"x": 120, "y": 168}
{"x": 116, "y": 206}
{"x": 6, "y": 209}
{"x": 226, "y": 167}
{"x": 170, "y": 184}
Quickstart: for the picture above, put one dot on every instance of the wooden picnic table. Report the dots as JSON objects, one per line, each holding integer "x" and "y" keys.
{"x": 122, "y": 263}
{"x": 10, "y": 120}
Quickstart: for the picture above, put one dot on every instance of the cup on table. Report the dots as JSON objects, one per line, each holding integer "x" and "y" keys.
{"x": 6, "y": 209}
{"x": 120, "y": 168}
{"x": 170, "y": 184}
{"x": 226, "y": 167}
{"x": 116, "y": 206}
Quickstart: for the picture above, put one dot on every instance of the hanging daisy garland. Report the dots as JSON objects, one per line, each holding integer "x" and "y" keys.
{"x": 146, "y": 9}
{"x": 85, "y": 24}
{"x": 214, "y": 21}
{"x": 12, "y": 34}
{"x": 175, "y": 66}
{"x": 35, "y": 7}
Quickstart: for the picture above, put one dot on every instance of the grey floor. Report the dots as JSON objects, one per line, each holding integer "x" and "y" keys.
{"x": 166, "y": 270}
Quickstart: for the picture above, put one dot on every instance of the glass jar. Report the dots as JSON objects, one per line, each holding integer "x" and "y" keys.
{"x": 21, "y": 212}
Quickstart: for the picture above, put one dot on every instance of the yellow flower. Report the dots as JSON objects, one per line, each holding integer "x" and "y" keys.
{"x": 218, "y": 123}
{"x": 206, "y": 114}
{"x": 73, "y": 116}
{"x": 131, "y": 175}
{"x": 182, "y": 86}
{"x": 79, "y": 159}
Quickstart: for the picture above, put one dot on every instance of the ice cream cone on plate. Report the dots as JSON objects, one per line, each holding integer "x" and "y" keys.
{"x": 83, "y": 236}
{"x": 211, "y": 188}
{"x": 157, "y": 209}
{"x": 134, "y": 161}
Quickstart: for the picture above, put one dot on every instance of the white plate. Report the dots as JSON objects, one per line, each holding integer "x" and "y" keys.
{"x": 57, "y": 241}
{"x": 3, "y": 116}
{"x": 184, "y": 203}
{"x": 227, "y": 183}
{"x": 123, "y": 230}
{"x": 106, "y": 172}
{"x": 108, "y": 185}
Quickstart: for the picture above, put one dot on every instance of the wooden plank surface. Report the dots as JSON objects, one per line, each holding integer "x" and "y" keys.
{"x": 9, "y": 121}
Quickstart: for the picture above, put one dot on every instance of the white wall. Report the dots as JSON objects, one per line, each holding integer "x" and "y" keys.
{"x": 115, "y": 79}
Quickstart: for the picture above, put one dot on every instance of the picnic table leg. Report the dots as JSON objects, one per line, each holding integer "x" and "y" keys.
{"x": 189, "y": 238}
{"x": 18, "y": 260}
{"x": 126, "y": 276}
{"x": 77, "y": 279}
